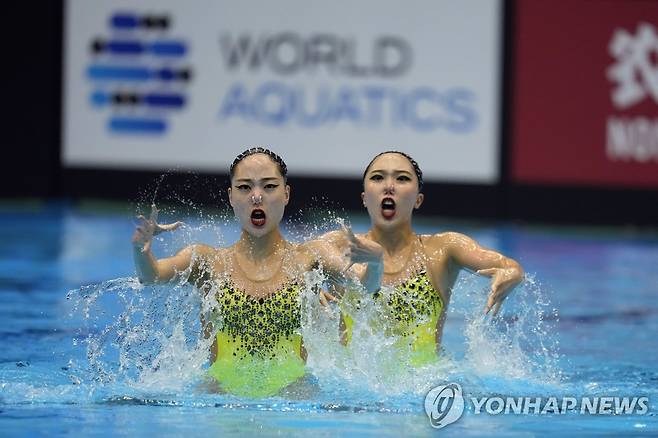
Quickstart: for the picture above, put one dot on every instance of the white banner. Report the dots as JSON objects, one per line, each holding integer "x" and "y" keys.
{"x": 160, "y": 85}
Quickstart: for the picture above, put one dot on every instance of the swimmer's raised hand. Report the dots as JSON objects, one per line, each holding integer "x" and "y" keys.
{"x": 325, "y": 297}
{"x": 361, "y": 250}
{"x": 502, "y": 282}
{"x": 143, "y": 235}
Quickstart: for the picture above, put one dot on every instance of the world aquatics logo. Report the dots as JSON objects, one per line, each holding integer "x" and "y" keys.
{"x": 138, "y": 74}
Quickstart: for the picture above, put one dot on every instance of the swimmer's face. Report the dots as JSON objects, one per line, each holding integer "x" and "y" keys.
{"x": 390, "y": 190}
{"x": 258, "y": 194}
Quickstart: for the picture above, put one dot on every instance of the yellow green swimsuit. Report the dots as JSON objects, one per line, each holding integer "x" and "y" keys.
{"x": 258, "y": 341}
{"x": 413, "y": 309}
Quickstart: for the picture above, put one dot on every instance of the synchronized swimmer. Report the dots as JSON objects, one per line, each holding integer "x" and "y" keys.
{"x": 419, "y": 271}
{"x": 254, "y": 285}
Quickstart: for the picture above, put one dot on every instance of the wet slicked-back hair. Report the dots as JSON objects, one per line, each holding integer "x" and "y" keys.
{"x": 280, "y": 164}
{"x": 414, "y": 164}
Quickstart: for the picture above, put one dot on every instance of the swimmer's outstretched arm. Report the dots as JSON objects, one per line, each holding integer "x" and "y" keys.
{"x": 340, "y": 250}
{"x": 505, "y": 272}
{"x": 372, "y": 254}
{"x": 149, "y": 269}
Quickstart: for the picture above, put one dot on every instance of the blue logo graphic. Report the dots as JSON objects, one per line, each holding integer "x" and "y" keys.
{"x": 138, "y": 74}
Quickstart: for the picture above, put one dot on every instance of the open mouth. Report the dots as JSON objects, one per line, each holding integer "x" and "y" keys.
{"x": 388, "y": 208}
{"x": 258, "y": 217}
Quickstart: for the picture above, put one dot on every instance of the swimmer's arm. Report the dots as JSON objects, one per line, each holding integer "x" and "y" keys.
{"x": 505, "y": 272}
{"x": 322, "y": 252}
{"x": 362, "y": 250}
{"x": 371, "y": 278}
{"x": 151, "y": 270}
{"x": 333, "y": 247}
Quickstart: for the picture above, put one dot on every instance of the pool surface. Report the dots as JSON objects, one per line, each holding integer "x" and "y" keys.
{"x": 86, "y": 351}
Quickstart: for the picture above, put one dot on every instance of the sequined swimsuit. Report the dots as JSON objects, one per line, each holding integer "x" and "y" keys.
{"x": 258, "y": 341}
{"x": 412, "y": 310}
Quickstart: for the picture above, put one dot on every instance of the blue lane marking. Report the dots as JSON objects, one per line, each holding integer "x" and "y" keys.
{"x": 100, "y": 72}
{"x": 124, "y": 21}
{"x": 124, "y": 125}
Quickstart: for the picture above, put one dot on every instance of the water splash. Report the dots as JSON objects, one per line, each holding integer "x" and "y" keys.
{"x": 516, "y": 350}
{"x": 148, "y": 339}
{"x": 155, "y": 344}
{"x": 144, "y": 337}
{"x": 157, "y": 187}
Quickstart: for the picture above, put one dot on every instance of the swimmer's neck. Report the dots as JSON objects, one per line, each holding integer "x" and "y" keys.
{"x": 259, "y": 247}
{"x": 393, "y": 239}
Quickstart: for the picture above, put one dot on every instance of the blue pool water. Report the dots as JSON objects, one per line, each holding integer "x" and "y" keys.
{"x": 584, "y": 323}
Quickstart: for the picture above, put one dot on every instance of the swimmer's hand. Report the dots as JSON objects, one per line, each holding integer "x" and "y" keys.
{"x": 325, "y": 297}
{"x": 148, "y": 228}
{"x": 361, "y": 250}
{"x": 503, "y": 281}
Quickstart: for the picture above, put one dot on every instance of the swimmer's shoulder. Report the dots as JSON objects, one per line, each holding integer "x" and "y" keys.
{"x": 446, "y": 240}
{"x": 200, "y": 250}
{"x": 304, "y": 255}
{"x": 335, "y": 237}
{"x": 203, "y": 253}
{"x": 322, "y": 242}
{"x": 300, "y": 248}
{"x": 327, "y": 250}
{"x": 310, "y": 250}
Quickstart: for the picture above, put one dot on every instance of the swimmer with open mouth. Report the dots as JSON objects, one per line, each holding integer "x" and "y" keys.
{"x": 419, "y": 271}
{"x": 253, "y": 287}
{"x": 258, "y": 217}
{"x": 388, "y": 208}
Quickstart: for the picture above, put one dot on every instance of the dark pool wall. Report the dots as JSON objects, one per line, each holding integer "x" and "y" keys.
{"x": 31, "y": 114}
{"x": 31, "y": 92}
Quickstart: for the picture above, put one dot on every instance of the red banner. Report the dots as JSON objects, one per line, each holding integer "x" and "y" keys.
{"x": 585, "y": 107}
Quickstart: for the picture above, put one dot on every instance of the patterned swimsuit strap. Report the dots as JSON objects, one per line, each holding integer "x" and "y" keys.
{"x": 424, "y": 270}
{"x": 422, "y": 257}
